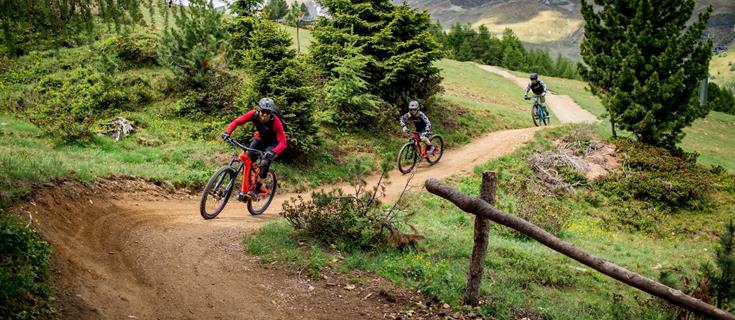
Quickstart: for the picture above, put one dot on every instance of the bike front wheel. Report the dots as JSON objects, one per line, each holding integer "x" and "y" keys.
{"x": 217, "y": 192}
{"x": 535, "y": 115}
{"x": 407, "y": 158}
{"x": 257, "y": 207}
{"x": 547, "y": 117}
{"x": 435, "y": 155}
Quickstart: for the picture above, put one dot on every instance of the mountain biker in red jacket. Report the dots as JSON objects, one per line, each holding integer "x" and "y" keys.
{"x": 269, "y": 137}
{"x": 420, "y": 122}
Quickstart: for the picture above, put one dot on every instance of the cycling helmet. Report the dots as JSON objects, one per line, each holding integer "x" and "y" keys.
{"x": 413, "y": 105}
{"x": 534, "y": 76}
{"x": 267, "y": 104}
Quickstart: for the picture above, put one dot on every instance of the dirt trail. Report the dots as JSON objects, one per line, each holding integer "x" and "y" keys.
{"x": 563, "y": 107}
{"x": 128, "y": 249}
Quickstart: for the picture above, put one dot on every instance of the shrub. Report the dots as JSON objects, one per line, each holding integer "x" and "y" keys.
{"x": 136, "y": 49}
{"x": 69, "y": 111}
{"x": 25, "y": 288}
{"x": 668, "y": 179}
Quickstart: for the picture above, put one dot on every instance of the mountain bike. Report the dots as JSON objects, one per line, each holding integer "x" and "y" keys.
{"x": 220, "y": 185}
{"x": 415, "y": 149}
{"x": 538, "y": 113}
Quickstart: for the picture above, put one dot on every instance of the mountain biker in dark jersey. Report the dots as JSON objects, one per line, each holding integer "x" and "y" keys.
{"x": 538, "y": 87}
{"x": 269, "y": 137}
{"x": 420, "y": 122}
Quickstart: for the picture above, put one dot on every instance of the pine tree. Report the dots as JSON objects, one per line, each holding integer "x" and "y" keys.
{"x": 396, "y": 39}
{"x": 245, "y": 8}
{"x": 294, "y": 18}
{"x": 722, "y": 275}
{"x": 305, "y": 10}
{"x": 350, "y": 94}
{"x": 645, "y": 61}
{"x": 195, "y": 47}
{"x": 277, "y": 9}
{"x": 276, "y": 72}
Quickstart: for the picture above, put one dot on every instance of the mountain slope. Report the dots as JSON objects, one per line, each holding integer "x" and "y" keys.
{"x": 553, "y": 24}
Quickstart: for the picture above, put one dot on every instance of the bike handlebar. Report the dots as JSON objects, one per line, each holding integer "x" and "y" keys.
{"x": 234, "y": 143}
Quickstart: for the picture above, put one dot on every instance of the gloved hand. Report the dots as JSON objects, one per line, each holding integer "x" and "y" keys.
{"x": 543, "y": 94}
{"x": 269, "y": 155}
{"x": 525, "y": 96}
{"x": 405, "y": 130}
{"x": 226, "y": 136}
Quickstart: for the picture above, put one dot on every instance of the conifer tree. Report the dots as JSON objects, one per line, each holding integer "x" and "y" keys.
{"x": 276, "y": 72}
{"x": 277, "y": 9}
{"x": 645, "y": 61}
{"x": 396, "y": 39}
{"x": 195, "y": 47}
{"x": 245, "y": 8}
{"x": 355, "y": 106}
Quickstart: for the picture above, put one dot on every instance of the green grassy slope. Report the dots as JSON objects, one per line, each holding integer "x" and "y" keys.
{"x": 709, "y": 136}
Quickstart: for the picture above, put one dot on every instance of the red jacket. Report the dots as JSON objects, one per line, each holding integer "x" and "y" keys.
{"x": 263, "y": 130}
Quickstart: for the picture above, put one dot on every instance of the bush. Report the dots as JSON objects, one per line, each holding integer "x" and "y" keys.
{"x": 333, "y": 217}
{"x": 25, "y": 285}
{"x": 668, "y": 179}
{"x": 70, "y": 110}
{"x": 136, "y": 49}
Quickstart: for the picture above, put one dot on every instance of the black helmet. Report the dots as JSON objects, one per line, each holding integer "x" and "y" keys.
{"x": 534, "y": 76}
{"x": 267, "y": 104}
{"x": 413, "y": 105}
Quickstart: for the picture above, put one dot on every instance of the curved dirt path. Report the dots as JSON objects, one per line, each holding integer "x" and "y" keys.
{"x": 123, "y": 252}
{"x": 563, "y": 107}
{"x": 127, "y": 249}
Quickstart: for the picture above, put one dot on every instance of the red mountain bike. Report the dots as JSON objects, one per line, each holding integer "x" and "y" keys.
{"x": 415, "y": 149}
{"x": 220, "y": 185}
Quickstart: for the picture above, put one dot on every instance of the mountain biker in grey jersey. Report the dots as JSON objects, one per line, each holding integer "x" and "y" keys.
{"x": 420, "y": 122}
{"x": 538, "y": 87}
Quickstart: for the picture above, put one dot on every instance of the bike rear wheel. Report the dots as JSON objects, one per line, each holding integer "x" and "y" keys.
{"x": 407, "y": 158}
{"x": 547, "y": 117}
{"x": 438, "y": 143}
{"x": 534, "y": 115}
{"x": 217, "y": 192}
{"x": 271, "y": 184}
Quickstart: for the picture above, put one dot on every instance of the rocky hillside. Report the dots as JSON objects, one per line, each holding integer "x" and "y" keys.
{"x": 553, "y": 24}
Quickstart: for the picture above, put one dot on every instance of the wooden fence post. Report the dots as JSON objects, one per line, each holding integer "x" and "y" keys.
{"x": 479, "y": 250}
{"x": 479, "y": 207}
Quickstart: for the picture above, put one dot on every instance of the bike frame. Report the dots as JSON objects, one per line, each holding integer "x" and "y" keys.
{"x": 248, "y": 181}
{"x": 541, "y": 113}
{"x": 420, "y": 146}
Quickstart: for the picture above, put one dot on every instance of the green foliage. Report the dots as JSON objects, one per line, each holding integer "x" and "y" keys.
{"x": 72, "y": 106}
{"x": 25, "y": 284}
{"x": 245, "y": 8}
{"x": 194, "y": 48}
{"x": 275, "y": 72}
{"x": 333, "y": 217}
{"x": 722, "y": 276}
{"x": 466, "y": 44}
{"x": 668, "y": 180}
{"x": 395, "y": 39}
{"x": 45, "y": 24}
{"x": 276, "y": 9}
{"x": 720, "y": 98}
{"x": 136, "y": 49}
{"x": 348, "y": 93}
{"x": 659, "y": 58}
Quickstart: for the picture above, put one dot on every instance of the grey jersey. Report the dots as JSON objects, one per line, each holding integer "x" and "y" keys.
{"x": 420, "y": 121}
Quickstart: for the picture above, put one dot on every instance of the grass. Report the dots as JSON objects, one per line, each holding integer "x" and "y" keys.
{"x": 712, "y": 137}
{"x": 305, "y": 37}
{"x": 522, "y": 276}
{"x": 722, "y": 67}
